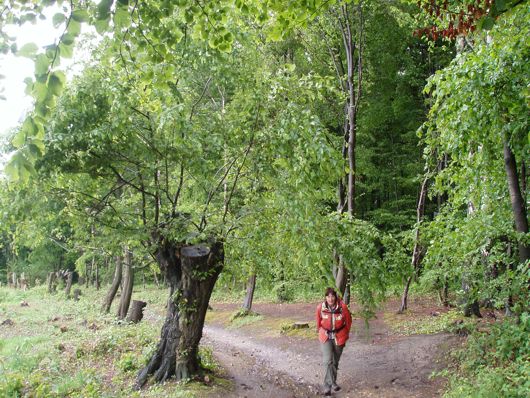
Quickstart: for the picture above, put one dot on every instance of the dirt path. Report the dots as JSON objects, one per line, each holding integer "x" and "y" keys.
{"x": 264, "y": 363}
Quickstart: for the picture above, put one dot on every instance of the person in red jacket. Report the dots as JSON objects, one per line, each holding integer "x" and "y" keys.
{"x": 333, "y": 325}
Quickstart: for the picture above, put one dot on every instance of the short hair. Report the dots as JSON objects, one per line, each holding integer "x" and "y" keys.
{"x": 329, "y": 291}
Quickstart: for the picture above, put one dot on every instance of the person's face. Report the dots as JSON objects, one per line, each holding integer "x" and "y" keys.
{"x": 331, "y": 300}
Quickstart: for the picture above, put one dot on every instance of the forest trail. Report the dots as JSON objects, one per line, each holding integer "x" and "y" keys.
{"x": 375, "y": 363}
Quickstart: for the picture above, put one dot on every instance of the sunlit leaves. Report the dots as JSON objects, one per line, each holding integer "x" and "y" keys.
{"x": 80, "y": 15}
{"x": 122, "y": 18}
{"x": 56, "y": 82}
{"x": 42, "y": 64}
{"x": 74, "y": 27}
{"x": 19, "y": 167}
{"x": 27, "y": 50}
{"x": 58, "y": 19}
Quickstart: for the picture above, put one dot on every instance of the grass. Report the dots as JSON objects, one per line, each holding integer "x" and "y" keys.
{"x": 407, "y": 324}
{"x": 62, "y": 348}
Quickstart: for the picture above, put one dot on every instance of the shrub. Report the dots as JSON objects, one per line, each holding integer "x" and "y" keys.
{"x": 494, "y": 363}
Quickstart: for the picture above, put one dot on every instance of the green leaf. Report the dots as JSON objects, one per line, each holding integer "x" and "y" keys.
{"x": 29, "y": 85}
{"x": 80, "y": 15}
{"x": 122, "y": 18}
{"x": 102, "y": 25}
{"x": 67, "y": 39}
{"x": 74, "y": 28}
{"x": 36, "y": 147}
{"x": 27, "y": 50}
{"x": 19, "y": 139}
{"x": 42, "y": 63}
{"x": 67, "y": 51}
{"x": 51, "y": 50}
{"x": 40, "y": 91}
{"x": 11, "y": 170}
{"x": 500, "y": 5}
{"x": 55, "y": 84}
{"x": 486, "y": 23}
{"x": 104, "y": 9}
{"x": 58, "y": 19}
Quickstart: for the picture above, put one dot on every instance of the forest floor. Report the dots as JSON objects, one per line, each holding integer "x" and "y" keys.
{"x": 394, "y": 357}
{"x": 51, "y": 346}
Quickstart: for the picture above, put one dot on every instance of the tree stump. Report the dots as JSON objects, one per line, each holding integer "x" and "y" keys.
{"x": 136, "y": 312}
{"x": 294, "y": 326}
{"x": 300, "y": 325}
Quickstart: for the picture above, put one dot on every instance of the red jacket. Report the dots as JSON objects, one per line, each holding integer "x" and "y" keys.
{"x": 338, "y": 321}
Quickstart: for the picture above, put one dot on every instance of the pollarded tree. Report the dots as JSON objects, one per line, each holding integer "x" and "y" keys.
{"x": 174, "y": 149}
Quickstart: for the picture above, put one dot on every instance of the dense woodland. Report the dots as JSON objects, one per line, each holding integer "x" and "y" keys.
{"x": 377, "y": 146}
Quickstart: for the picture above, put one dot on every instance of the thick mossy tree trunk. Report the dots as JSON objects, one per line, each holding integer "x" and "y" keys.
{"x": 191, "y": 272}
{"x": 105, "y": 308}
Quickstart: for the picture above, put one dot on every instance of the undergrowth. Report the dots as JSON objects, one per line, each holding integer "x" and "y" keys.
{"x": 56, "y": 347}
{"x": 494, "y": 363}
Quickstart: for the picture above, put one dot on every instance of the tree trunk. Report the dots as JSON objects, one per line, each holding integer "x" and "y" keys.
{"x": 352, "y": 38}
{"x": 87, "y": 276}
{"x": 96, "y": 275}
{"x": 405, "y": 295}
{"x": 51, "y": 282}
{"x": 251, "y": 285}
{"x": 341, "y": 276}
{"x": 417, "y": 252}
{"x": 445, "y": 295}
{"x": 162, "y": 363}
{"x": 156, "y": 279}
{"x": 114, "y": 286}
{"x": 128, "y": 281}
{"x": 137, "y": 311}
{"x": 516, "y": 198}
{"x": 69, "y": 283}
{"x": 191, "y": 272}
{"x": 347, "y": 292}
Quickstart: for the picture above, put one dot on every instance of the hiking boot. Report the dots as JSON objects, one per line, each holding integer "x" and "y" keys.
{"x": 336, "y": 387}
